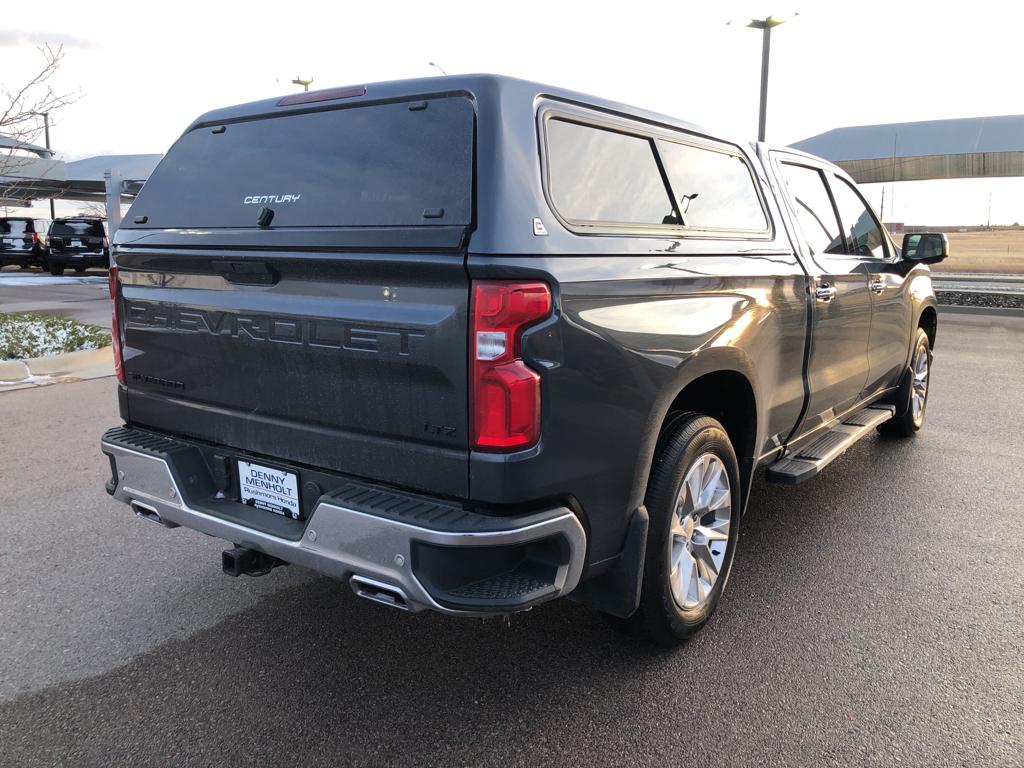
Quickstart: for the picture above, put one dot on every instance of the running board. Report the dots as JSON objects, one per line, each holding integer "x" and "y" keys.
{"x": 811, "y": 459}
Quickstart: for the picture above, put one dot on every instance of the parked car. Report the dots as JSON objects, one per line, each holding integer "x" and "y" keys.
{"x": 79, "y": 243}
{"x": 23, "y": 241}
{"x": 472, "y": 343}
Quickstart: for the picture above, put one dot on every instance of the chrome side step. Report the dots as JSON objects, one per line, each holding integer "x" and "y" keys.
{"x": 813, "y": 458}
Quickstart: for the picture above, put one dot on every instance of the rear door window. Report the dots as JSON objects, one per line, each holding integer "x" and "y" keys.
{"x": 814, "y": 211}
{"x": 599, "y": 175}
{"x": 364, "y": 166}
{"x": 714, "y": 189}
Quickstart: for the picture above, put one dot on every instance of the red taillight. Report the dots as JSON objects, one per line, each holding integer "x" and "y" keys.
{"x": 505, "y": 392}
{"x": 36, "y": 239}
{"x": 115, "y": 323}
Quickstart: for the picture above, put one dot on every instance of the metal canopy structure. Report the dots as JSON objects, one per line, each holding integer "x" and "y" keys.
{"x": 29, "y": 177}
{"x": 22, "y": 166}
{"x": 966, "y": 148}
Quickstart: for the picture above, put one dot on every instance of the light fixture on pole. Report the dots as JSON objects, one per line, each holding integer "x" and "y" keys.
{"x": 304, "y": 83}
{"x": 765, "y": 25}
{"x": 438, "y": 66}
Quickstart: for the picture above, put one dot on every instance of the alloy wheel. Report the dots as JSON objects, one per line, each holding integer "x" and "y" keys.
{"x": 699, "y": 536}
{"x": 920, "y": 385}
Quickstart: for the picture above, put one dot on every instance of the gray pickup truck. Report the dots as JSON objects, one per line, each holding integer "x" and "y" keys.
{"x": 473, "y": 343}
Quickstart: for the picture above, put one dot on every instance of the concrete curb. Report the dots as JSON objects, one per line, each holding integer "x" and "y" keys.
{"x": 71, "y": 366}
{"x": 69, "y": 362}
{"x": 13, "y": 370}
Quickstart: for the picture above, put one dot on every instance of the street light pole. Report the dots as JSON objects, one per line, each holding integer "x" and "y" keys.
{"x": 766, "y": 44}
{"x": 305, "y": 83}
{"x": 765, "y": 25}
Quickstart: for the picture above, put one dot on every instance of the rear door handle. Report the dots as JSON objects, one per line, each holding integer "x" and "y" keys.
{"x": 825, "y": 292}
{"x": 878, "y": 286}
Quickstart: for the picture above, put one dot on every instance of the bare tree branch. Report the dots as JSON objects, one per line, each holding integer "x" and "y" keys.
{"x": 22, "y": 110}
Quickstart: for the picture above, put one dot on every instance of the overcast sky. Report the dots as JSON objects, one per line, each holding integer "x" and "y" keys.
{"x": 146, "y": 69}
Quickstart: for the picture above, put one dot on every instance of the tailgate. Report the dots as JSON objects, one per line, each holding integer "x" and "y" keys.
{"x": 356, "y": 365}
{"x": 294, "y": 287}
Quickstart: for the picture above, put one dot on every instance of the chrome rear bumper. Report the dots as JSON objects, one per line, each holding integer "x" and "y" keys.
{"x": 363, "y": 549}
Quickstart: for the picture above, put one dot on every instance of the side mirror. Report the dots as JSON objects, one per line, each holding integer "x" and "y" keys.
{"x": 926, "y": 247}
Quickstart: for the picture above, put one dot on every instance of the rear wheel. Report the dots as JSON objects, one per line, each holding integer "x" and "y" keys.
{"x": 694, "y": 503}
{"x": 912, "y": 420}
{"x": 56, "y": 269}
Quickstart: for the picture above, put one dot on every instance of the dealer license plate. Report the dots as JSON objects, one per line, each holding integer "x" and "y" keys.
{"x": 269, "y": 488}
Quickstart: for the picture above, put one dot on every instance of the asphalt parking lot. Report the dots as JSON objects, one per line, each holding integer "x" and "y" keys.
{"x": 875, "y": 616}
{"x": 85, "y": 297}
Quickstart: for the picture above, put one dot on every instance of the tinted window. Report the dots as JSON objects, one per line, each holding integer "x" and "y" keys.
{"x": 814, "y": 210}
{"x": 76, "y": 229}
{"x": 860, "y": 225}
{"x": 599, "y": 175}
{"x": 715, "y": 189}
{"x": 378, "y": 165}
{"x": 15, "y": 227}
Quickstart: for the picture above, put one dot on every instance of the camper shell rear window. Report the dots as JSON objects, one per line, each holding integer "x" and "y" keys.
{"x": 398, "y": 164}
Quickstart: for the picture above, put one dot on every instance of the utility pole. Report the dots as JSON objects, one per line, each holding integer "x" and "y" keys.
{"x": 989, "y": 224}
{"x": 46, "y": 135}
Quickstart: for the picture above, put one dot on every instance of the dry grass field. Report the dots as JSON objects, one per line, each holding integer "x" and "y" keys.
{"x": 999, "y": 251}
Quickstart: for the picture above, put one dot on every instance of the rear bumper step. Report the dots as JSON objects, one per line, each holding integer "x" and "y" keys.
{"x": 397, "y": 549}
{"x": 811, "y": 459}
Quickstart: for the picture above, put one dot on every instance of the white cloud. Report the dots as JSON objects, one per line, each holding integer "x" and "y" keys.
{"x": 10, "y": 38}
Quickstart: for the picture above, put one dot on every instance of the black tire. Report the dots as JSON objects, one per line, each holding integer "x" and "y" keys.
{"x": 909, "y": 424}
{"x": 56, "y": 270}
{"x": 660, "y": 616}
{"x": 79, "y": 269}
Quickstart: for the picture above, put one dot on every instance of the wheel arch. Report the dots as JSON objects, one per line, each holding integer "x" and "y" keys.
{"x": 928, "y": 320}
{"x": 722, "y": 386}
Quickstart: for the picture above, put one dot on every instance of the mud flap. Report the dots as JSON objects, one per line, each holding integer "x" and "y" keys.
{"x": 617, "y": 591}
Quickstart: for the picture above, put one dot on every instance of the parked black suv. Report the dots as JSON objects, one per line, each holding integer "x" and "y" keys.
{"x": 472, "y": 343}
{"x": 23, "y": 241}
{"x": 79, "y": 243}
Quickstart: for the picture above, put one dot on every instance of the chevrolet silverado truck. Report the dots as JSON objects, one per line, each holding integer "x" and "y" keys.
{"x": 472, "y": 343}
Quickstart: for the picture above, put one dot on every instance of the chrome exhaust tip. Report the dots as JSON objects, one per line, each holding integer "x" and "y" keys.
{"x": 147, "y": 512}
{"x": 379, "y": 592}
